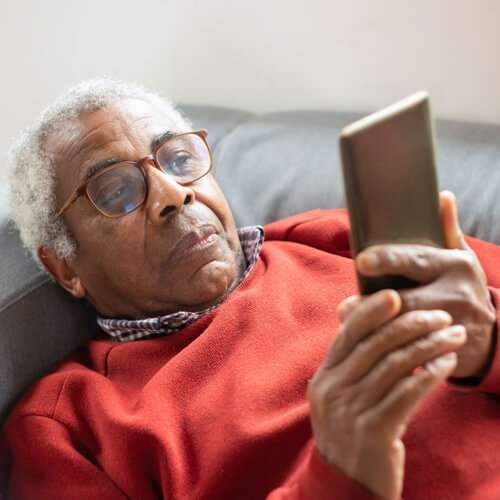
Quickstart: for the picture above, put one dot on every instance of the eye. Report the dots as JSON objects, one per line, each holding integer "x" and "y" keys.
{"x": 118, "y": 190}
{"x": 110, "y": 187}
{"x": 179, "y": 164}
{"x": 111, "y": 193}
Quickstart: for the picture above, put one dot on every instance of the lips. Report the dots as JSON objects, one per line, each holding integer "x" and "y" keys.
{"x": 191, "y": 239}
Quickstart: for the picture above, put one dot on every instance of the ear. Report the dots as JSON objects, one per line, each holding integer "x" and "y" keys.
{"x": 61, "y": 271}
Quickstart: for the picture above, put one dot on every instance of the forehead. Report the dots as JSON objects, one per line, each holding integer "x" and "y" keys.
{"x": 123, "y": 129}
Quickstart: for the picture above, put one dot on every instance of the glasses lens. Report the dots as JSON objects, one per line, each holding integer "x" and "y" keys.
{"x": 186, "y": 157}
{"x": 118, "y": 191}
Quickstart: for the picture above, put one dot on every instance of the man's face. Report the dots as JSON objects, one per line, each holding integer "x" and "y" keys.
{"x": 128, "y": 265}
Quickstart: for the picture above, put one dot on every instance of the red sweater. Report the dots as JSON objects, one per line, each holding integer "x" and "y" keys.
{"x": 219, "y": 409}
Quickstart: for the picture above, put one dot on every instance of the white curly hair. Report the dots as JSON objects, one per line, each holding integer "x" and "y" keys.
{"x": 31, "y": 167}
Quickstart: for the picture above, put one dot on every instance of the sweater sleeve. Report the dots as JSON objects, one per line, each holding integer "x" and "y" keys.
{"x": 319, "y": 480}
{"x": 46, "y": 463}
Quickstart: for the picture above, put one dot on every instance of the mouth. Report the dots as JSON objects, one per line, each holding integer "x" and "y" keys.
{"x": 203, "y": 238}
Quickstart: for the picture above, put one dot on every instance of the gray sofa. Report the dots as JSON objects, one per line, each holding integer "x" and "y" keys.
{"x": 270, "y": 166}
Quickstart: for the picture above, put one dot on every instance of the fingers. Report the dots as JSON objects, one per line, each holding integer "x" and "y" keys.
{"x": 402, "y": 363}
{"x": 451, "y": 298}
{"x": 371, "y": 313}
{"x": 346, "y": 306}
{"x": 426, "y": 298}
{"x": 392, "y": 336}
{"x": 421, "y": 263}
{"x": 453, "y": 235}
{"x": 395, "y": 409}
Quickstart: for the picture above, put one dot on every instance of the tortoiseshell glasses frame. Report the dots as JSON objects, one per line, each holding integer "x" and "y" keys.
{"x": 195, "y": 153}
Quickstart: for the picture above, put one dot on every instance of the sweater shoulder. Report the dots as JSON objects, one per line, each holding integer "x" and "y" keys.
{"x": 42, "y": 397}
{"x": 326, "y": 230}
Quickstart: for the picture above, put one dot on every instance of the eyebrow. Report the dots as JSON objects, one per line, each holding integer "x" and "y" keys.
{"x": 95, "y": 168}
{"x": 160, "y": 138}
{"x": 100, "y": 165}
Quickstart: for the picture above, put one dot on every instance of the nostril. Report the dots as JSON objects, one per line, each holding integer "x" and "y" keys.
{"x": 187, "y": 200}
{"x": 168, "y": 209}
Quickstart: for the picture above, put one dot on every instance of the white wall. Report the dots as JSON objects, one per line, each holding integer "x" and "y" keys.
{"x": 260, "y": 55}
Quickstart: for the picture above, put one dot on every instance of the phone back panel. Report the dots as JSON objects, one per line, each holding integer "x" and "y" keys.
{"x": 390, "y": 179}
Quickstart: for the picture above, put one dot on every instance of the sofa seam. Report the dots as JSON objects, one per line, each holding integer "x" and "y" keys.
{"x": 38, "y": 283}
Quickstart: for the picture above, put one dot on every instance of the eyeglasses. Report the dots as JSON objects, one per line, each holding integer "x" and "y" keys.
{"x": 122, "y": 187}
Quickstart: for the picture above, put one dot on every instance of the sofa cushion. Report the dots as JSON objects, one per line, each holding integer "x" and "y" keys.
{"x": 278, "y": 164}
{"x": 269, "y": 166}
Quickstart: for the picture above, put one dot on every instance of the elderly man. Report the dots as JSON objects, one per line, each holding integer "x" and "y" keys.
{"x": 223, "y": 370}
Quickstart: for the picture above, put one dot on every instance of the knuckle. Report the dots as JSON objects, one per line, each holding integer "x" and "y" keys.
{"x": 339, "y": 347}
{"x": 340, "y": 342}
{"x": 311, "y": 387}
{"x": 365, "y": 347}
{"x": 402, "y": 327}
{"x": 420, "y": 260}
{"x": 410, "y": 301}
{"x": 325, "y": 388}
{"x": 466, "y": 261}
{"x": 414, "y": 322}
{"x": 417, "y": 320}
{"x": 365, "y": 422}
{"x": 426, "y": 344}
{"x": 409, "y": 385}
{"x": 376, "y": 343}
{"x": 388, "y": 256}
{"x": 398, "y": 358}
{"x": 417, "y": 384}
{"x": 378, "y": 340}
{"x": 463, "y": 293}
{"x": 316, "y": 389}
{"x": 341, "y": 333}
{"x": 424, "y": 378}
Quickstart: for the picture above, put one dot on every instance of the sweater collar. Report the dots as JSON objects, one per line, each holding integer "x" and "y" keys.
{"x": 124, "y": 330}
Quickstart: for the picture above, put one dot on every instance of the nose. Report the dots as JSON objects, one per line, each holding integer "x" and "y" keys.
{"x": 165, "y": 195}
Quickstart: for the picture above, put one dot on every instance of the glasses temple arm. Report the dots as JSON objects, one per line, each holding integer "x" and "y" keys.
{"x": 68, "y": 203}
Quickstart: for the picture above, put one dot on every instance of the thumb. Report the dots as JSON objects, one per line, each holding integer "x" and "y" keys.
{"x": 453, "y": 235}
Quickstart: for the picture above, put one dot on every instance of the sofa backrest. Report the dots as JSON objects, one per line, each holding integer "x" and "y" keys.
{"x": 269, "y": 166}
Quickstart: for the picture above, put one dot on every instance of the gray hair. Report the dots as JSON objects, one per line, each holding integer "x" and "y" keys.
{"x": 31, "y": 167}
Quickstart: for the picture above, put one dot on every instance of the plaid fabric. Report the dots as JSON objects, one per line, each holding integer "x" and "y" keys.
{"x": 124, "y": 330}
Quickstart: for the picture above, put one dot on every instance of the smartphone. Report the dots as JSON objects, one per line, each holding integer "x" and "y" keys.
{"x": 391, "y": 188}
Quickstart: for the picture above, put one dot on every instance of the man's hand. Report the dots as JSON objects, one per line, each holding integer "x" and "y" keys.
{"x": 368, "y": 386}
{"x": 452, "y": 280}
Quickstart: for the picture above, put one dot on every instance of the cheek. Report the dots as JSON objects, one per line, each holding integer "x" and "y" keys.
{"x": 208, "y": 192}
{"x": 103, "y": 245}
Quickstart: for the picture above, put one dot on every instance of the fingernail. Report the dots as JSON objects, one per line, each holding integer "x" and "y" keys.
{"x": 393, "y": 298}
{"x": 453, "y": 333}
{"x": 443, "y": 316}
{"x": 446, "y": 361}
{"x": 456, "y": 331}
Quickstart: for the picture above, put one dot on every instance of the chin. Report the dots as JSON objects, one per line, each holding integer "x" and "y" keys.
{"x": 211, "y": 282}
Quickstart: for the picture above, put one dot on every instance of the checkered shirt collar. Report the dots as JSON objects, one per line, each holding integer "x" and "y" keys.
{"x": 124, "y": 330}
